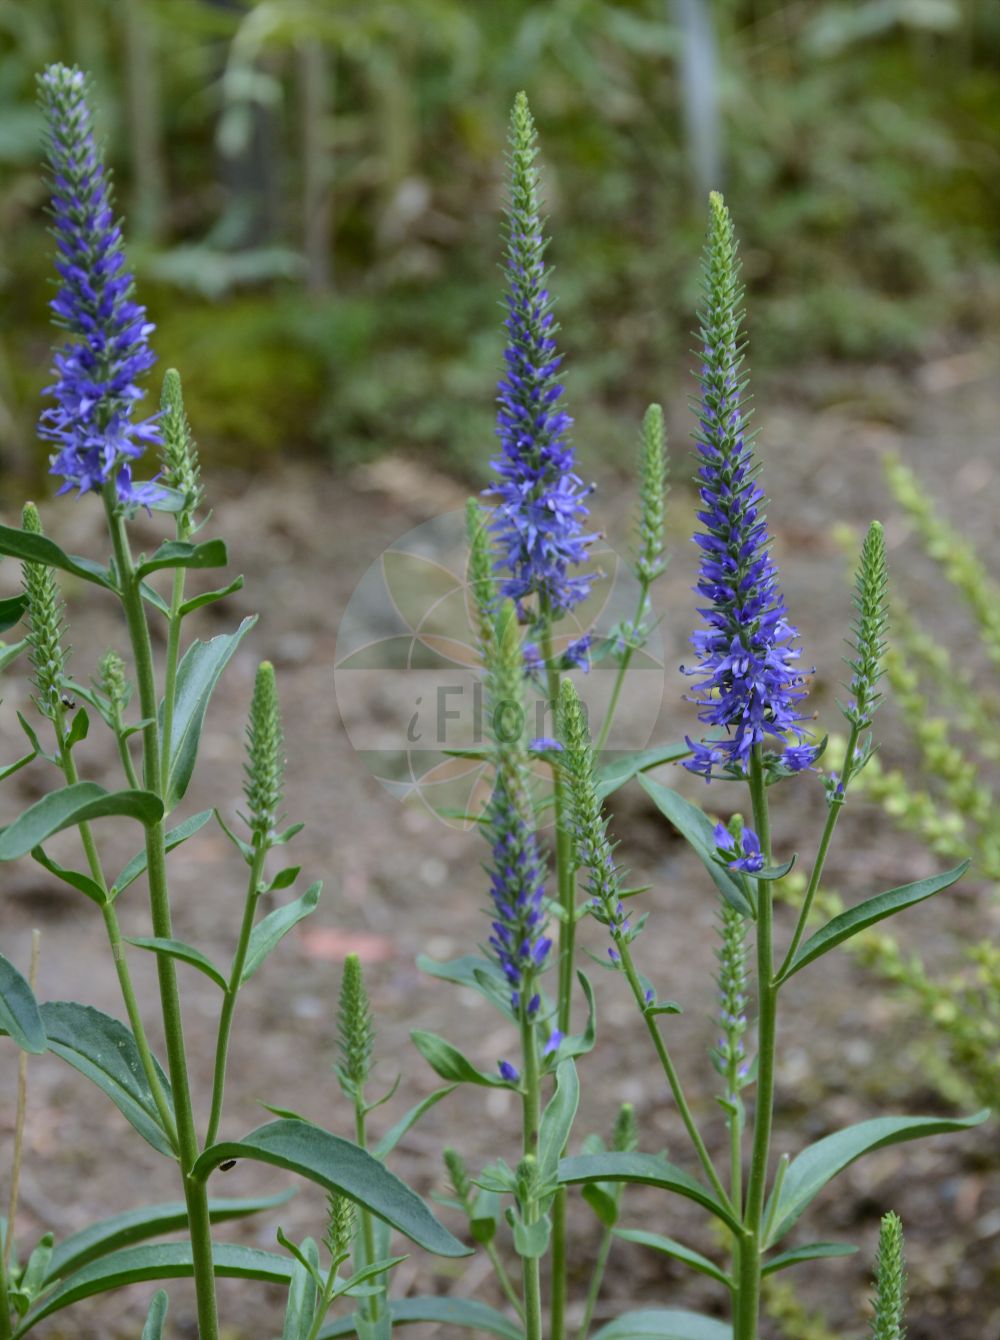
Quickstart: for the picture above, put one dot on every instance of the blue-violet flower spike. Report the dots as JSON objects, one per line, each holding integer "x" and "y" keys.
{"x": 518, "y": 941}
{"x": 98, "y": 368}
{"x": 748, "y": 684}
{"x": 540, "y": 511}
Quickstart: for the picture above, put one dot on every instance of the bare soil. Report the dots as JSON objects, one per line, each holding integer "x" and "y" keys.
{"x": 400, "y": 883}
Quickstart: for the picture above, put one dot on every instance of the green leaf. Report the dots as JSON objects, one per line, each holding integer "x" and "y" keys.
{"x": 612, "y": 776}
{"x": 180, "y": 554}
{"x": 197, "y": 675}
{"x": 171, "y": 839}
{"x": 40, "y": 549}
{"x": 10, "y": 653}
{"x": 19, "y": 1015}
{"x": 341, "y": 1167}
{"x": 664, "y": 1324}
{"x": 105, "y": 1051}
{"x": 448, "y": 1062}
{"x": 160, "y": 1261}
{"x": 209, "y": 597}
{"x": 578, "y": 1044}
{"x": 22, "y": 762}
{"x": 484, "y": 1217}
{"x": 367, "y": 1272}
{"x": 869, "y": 912}
{"x": 810, "y": 1171}
{"x": 697, "y": 829}
{"x": 475, "y": 972}
{"x": 647, "y": 1170}
{"x": 71, "y": 805}
{"x": 774, "y": 872}
{"x": 284, "y": 879}
{"x": 11, "y": 612}
{"x": 79, "y": 728}
{"x": 150, "y": 1221}
{"x": 392, "y": 1137}
{"x": 557, "y": 1120}
{"x": 156, "y": 1316}
{"x": 812, "y": 1251}
{"x": 76, "y": 879}
{"x": 464, "y": 1312}
{"x": 531, "y": 1240}
{"x": 275, "y": 926}
{"x": 302, "y": 1295}
{"x": 179, "y": 950}
{"x": 603, "y": 1200}
{"x": 678, "y": 1251}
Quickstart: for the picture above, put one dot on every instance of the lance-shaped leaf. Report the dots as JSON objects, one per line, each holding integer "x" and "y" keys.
{"x": 159, "y": 1261}
{"x": 76, "y": 804}
{"x": 197, "y": 675}
{"x": 409, "y": 1119}
{"x": 869, "y": 912}
{"x": 678, "y": 1251}
{"x": 11, "y": 611}
{"x": 810, "y": 1171}
{"x": 181, "y": 554}
{"x": 275, "y": 926}
{"x": 448, "y": 1062}
{"x": 210, "y": 597}
{"x": 183, "y": 953}
{"x": 477, "y": 973}
{"x": 463, "y": 1312}
{"x": 647, "y": 1170}
{"x": 20, "y": 1018}
{"x": 612, "y": 776}
{"x": 76, "y": 879}
{"x": 557, "y": 1120}
{"x": 151, "y": 1221}
{"x": 156, "y": 1316}
{"x": 578, "y": 1044}
{"x": 303, "y": 1293}
{"x": 171, "y": 839}
{"x": 33, "y": 548}
{"x": 340, "y": 1167}
{"x": 810, "y": 1251}
{"x": 697, "y": 829}
{"x": 664, "y": 1324}
{"x": 105, "y": 1051}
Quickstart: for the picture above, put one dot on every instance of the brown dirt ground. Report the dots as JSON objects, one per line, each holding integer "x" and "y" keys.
{"x": 411, "y": 884}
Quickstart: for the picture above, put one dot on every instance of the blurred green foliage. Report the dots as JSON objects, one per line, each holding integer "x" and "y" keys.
{"x": 312, "y": 190}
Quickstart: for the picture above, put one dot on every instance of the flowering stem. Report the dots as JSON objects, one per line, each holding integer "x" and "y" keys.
{"x": 195, "y": 1193}
{"x": 686, "y": 1116}
{"x": 566, "y": 881}
{"x": 596, "y": 1280}
{"x": 531, "y": 1108}
{"x": 749, "y": 1254}
{"x": 623, "y": 666}
{"x": 69, "y": 770}
{"x": 371, "y": 1306}
{"x": 173, "y": 653}
{"x": 833, "y": 814}
{"x": 21, "y": 1112}
{"x": 235, "y": 981}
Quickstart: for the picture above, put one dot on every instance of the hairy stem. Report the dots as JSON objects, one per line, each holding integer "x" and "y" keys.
{"x": 531, "y": 1113}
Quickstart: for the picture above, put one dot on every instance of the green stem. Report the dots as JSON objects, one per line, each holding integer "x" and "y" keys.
{"x": 195, "y": 1193}
{"x": 566, "y": 883}
{"x": 232, "y": 990}
{"x": 6, "y": 1330}
{"x": 817, "y": 872}
{"x": 751, "y": 1247}
{"x": 504, "y": 1280}
{"x": 531, "y": 1115}
{"x": 596, "y": 1280}
{"x": 371, "y": 1307}
{"x": 671, "y": 1075}
{"x": 623, "y": 666}
{"x": 69, "y": 769}
{"x": 173, "y": 654}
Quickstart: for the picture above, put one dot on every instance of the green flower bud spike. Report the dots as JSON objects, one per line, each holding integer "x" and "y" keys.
{"x": 729, "y": 1056}
{"x": 179, "y": 455}
{"x": 341, "y": 1227}
{"x": 482, "y": 583}
{"x": 592, "y": 847}
{"x": 625, "y": 1136}
{"x": 355, "y": 1029}
{"x": 650, "y": 562}
{"x": 265, "y": 766}
{"x": 868, "y": 629}
{"x": 46, "y": 624}
{"x": 505, "y": 705}
{"x": 890, "y": 1282}
{"x": 111, "y": 678}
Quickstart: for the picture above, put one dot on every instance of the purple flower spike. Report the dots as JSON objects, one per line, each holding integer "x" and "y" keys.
{"x": 540, "y": 513}
{"x": 748, "y": 683}
{"x": 518, "y": 942}
{"x": 98, "y": 368}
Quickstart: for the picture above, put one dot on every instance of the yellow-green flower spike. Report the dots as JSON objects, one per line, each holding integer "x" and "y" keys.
{"x": 652, "y": 495}
{"x": 265, "y": 765}
{"x": 890, "y": 1282}
{"x": 355, "y": 1029}
{"x": 179, "y": 454}
{"x": 46, "y": 624}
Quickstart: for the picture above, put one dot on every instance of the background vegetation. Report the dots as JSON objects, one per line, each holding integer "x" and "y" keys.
{"x": 311, "y": 190}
